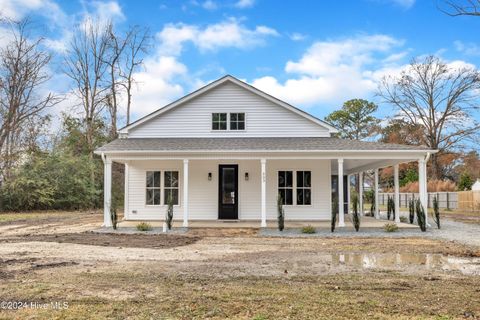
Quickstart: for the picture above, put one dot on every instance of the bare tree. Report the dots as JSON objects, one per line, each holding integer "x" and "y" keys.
{"x": 86, "y": 65}
{"x": 440, "y": 98}
{"x": 23, "y": 72}
{"x": 138, "y": 44}
{"x": 462, "y": 8}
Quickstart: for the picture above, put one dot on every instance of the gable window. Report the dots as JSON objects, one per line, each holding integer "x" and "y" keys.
{"x": 285, "y": 186}
{"x": 153, "y": 188}
{"x": 219, "y": 121}
{"x": 237, "y": 121}
{"x": 304, "y": 188}
{"x": 171, "y": 187}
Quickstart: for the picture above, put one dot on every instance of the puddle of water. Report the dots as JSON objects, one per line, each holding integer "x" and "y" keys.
{"x": 406, "y": 261}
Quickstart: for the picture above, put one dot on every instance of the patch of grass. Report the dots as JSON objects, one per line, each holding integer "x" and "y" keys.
{"x": 390, "y": 227}
{"x": 308, "y": 229}
{"x": 404, "y": 219}
{"x": 144, "y": 226}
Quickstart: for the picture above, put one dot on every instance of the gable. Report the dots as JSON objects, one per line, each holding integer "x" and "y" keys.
{"x": 265, "y": 117}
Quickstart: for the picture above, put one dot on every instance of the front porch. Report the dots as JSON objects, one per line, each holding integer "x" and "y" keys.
{"x": 366, "y": 223}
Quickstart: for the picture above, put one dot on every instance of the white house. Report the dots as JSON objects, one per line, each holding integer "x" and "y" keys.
{"x": 228, "y": 149}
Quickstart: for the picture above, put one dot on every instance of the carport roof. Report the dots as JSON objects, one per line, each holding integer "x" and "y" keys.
{"x": 270, "y": 144}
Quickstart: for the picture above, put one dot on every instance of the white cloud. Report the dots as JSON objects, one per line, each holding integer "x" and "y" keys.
{"x": 470, "y": 49}
{"x": 296, "y": 36}
{"x": 406, "y": 4}
{"x": 229, "y": 33}
{"x": 158, "y": 84}
{"x": 242, "y": 4}
{"x": 18, "y": 9}
{"x": 209, "y": 5}
{"x": 334, "y": 71}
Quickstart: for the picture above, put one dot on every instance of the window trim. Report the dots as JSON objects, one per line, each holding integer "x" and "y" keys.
{"x": 228, "y": 121}
{"x": 163, "y": 202}
{"x": 159, "y": 188}
{"x": 294, "y": 187}
{"x": 164, "y": 188}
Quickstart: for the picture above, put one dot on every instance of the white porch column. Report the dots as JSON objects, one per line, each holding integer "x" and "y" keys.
{"x": 341, "y": 213}
{"x": 360, "y": 193}
{"x": 397, "y": 193}
{"x": 348, "y": 193}
{"x": 107, "y": 191}
{"x": 185, "y": 193}
{"x": 126, "y": 193}
{"x": 422, "y": 186}
{"x": 377, "y": 212}
{"x": 263, "y": 163}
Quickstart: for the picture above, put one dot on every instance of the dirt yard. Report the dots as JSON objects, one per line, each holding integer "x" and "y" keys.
{"x": 53, "y": 267}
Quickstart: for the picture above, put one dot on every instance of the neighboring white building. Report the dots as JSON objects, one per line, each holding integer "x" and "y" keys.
{"x": 228, "y": 149}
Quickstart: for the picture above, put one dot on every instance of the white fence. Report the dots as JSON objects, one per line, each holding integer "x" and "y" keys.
{"x": 446, "y": 200}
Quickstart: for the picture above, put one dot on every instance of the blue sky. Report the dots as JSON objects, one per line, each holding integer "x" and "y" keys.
{"x": 313, "y": 54}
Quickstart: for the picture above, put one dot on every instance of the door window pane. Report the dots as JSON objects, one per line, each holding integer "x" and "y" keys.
{"x": 228, "y": 186}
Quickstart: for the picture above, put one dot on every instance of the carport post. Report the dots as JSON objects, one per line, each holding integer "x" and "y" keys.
{"x": 107, "y": 191}
{"x": 341, "y": 212}
{"x": 185, "y": 193}
{"x": 377, "y": 216}
{"x": 360, "y": 193}
{"x": 397, "y": 193}
{"x": 348, "y": 193}
{"x": 263, "y": 163}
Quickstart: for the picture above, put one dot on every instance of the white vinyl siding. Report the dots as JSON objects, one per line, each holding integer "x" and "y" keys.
{"x": 262, "y": 118}
{"x": 203, "y": 193}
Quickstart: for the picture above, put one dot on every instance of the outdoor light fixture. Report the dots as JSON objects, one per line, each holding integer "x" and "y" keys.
{"x": 209, "y": 176}
{"x": 246, "y": 176}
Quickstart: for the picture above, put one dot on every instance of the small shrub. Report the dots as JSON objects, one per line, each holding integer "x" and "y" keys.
{"x": 372, "y": 209}
{"x": 280, "y": 213}
{"x": 411, "y": 210}
{"x": 420, "y": 216}
{"x": 169, "y": 217}
{"x": 436, "y": 212}
{"x": 404, "y": 219}
{"x": 334, "y": 213}
{"x": 355, "y": 215}
{"x": 390, "y": 227}
{"x": 113, "y": 215}
{"x": 308, "y": 229}
{"x": 144, "y": 226}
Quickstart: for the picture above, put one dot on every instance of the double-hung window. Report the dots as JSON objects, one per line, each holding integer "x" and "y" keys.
{"x": 285, "y": 186}
{"x": 171, "y": 187}
{"x": 296, "y": 191}
{"x": 237, "y": 121}
{"x": 219, "y": 121}
{"x": 304, "y": 188}
{"x": 153, "y": 188}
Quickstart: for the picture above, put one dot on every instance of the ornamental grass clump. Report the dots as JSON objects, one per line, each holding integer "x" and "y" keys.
{"x": 390, "y": 227}
{"x": 421, "y": 220}
{"x": 144, "y": 226}
{"x": 169, "y": 216}
{"x": 436, "y": 212}
{"x": 308, "y": 229}
{"x": 334, "y": 213}
{"x": 280, "y": 213}
{"x": 355, "y": 215}
{"x": 411, "y": 210}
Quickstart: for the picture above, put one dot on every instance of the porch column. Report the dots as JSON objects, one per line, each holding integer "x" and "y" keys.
{"x": 341, "y": 213}
{"x": 348, "y": 193}
{"x": 107, "y": 191}
{"x": 263, "y": 162}
{"x": 185, "y": 193}
{"x": 422, "y": 186}
{"x": 360, "y": 193}
{"x": 126, "y": 193}
{"x": 397, "y": 193}
{"x": 377, "y": 215}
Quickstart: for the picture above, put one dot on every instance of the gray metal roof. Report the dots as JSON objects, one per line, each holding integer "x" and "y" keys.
{"x": 249, "y": 144}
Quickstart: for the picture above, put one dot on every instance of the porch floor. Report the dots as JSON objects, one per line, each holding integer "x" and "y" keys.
{"x": 366, "y": 222}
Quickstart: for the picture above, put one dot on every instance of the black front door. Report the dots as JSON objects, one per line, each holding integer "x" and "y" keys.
{"x": 228, "y": 191}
